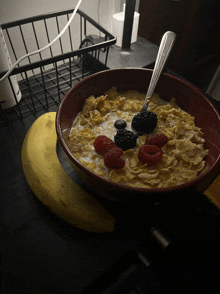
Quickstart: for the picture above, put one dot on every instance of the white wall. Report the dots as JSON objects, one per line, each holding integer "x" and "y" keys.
{"x": 101, "y": 10}
{"x": 17, "y": 9}
{"x": 10, "y": 10}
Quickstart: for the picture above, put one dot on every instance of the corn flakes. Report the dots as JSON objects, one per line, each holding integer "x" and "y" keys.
{"x": 183, "y": 155}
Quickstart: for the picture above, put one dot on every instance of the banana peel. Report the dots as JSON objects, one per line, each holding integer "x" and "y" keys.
{"x": 51, "y": 184}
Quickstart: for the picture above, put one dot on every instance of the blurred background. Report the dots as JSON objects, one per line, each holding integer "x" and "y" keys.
{"x": 196, "y": 54}
{"x": 99, "y": 10}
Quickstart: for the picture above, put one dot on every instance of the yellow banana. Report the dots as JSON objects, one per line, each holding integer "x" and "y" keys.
{"x": 52, "y": 186}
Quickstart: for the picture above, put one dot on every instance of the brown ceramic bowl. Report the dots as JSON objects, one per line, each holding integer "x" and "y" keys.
{"x": 187, "y": 97}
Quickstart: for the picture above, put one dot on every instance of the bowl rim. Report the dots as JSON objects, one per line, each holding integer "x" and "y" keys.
{"x": 121, "y": 186}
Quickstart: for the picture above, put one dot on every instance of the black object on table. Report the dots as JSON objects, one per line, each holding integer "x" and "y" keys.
{"x": 42, "y": 254}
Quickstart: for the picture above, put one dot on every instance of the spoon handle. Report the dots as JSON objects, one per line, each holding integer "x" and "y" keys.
{"x": 162, "y": 56}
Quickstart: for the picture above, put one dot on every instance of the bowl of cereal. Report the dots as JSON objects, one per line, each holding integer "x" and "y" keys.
{"x": 99, "y": 125}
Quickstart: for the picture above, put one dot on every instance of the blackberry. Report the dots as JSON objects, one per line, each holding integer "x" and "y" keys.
{"x": 125, "y": 139}
{"x": 145, "y": 121}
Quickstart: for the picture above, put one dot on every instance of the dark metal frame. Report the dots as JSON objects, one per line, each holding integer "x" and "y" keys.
{"x": 49, "y": 86}
{"x": 128, "y": 24}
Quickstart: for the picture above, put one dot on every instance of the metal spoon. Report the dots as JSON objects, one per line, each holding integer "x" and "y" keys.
{"x": 164, "y": 50}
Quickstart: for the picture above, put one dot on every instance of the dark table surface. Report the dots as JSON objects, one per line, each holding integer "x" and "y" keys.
{"x": 57, "y": 258}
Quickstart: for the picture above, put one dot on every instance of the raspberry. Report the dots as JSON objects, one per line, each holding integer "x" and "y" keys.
{"x": 158, "y": 139}
{"x": 102, "y": 144}
{"x": 112, "y": 158}
{"x": 145, "y": 121}
{"x": 125, "y": 139}
{"x": 150, "y": 154}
